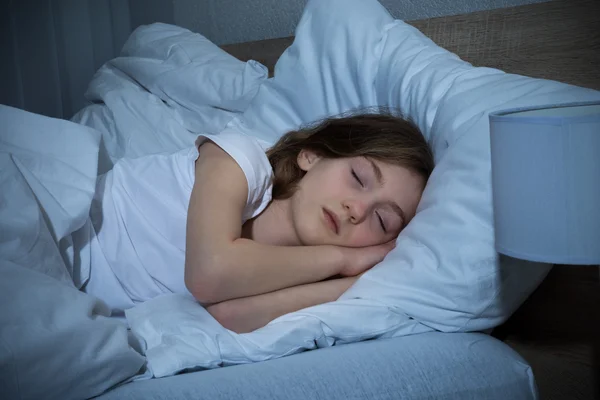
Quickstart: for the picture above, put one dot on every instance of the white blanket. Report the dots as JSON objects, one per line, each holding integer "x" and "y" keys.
{"x": 168, "y": 85}
{"x": 177, "y": 334}
{"x": 55, "y": 341}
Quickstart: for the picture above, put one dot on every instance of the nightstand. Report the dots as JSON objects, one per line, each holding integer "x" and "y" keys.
{"x": 557, "y": 330}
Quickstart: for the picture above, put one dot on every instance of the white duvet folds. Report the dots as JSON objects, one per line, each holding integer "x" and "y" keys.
{"x": 55, "y": 341}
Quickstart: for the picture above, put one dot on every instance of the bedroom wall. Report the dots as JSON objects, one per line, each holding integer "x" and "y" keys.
{"x": 50, "y": 49}
{"x": 234, "y": 21}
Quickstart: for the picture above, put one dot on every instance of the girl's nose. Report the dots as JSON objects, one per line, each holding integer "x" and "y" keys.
{"x": 356, "y": 210}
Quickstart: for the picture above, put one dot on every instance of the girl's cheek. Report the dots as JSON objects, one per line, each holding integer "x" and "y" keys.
{"x": 363, "y": 237}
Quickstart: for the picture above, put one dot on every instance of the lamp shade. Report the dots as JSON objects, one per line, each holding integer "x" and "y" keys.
{"x": 546, "y": 183}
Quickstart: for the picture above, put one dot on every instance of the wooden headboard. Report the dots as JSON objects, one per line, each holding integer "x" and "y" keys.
{"x": 557, "y": 330}
{"x": 557, "y": 40}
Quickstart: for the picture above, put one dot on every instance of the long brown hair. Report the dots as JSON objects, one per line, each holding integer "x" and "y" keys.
{"x": 380, "y": 136}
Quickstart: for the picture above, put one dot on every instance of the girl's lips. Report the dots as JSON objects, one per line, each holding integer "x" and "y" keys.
{"x": 332, "y": 220}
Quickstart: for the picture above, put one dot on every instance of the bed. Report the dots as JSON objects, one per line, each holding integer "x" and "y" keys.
{"x": 555, "y": 40}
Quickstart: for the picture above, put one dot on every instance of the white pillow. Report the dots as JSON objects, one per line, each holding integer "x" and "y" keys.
{"x": 444, "y": 272}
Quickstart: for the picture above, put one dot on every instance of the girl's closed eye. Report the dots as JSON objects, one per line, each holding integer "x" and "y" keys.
{"x": 357, "y": 178}
{"x": 381, "y": 222}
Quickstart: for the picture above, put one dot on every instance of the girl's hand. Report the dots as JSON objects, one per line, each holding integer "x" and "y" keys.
{"x": 357, "y": 260}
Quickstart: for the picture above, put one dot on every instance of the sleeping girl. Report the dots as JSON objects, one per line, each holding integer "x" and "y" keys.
{"x": 254, "y": 232}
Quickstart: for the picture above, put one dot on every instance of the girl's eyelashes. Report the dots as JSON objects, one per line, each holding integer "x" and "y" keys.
{"x": 381, "y": 223}
{"x": 357, "y": 178}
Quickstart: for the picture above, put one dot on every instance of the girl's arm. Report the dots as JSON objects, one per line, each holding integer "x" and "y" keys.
{"x": 219, "y": 264}
{"x": 250, "y": 313}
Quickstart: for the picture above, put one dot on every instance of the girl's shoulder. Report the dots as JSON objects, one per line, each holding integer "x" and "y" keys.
{"x": 250, "y": 155}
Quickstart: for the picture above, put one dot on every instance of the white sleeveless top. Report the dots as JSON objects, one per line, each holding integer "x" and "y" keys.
{"x": 133, "y": 246}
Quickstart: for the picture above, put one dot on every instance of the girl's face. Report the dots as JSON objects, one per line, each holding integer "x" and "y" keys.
{"x": 352, "y": 202}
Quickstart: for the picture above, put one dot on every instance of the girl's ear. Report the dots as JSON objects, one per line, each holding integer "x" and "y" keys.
{"x": 307, "y": 159}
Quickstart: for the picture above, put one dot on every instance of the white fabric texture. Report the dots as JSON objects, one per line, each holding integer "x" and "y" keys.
{"x": 55, "y": 342}
{"x": 168, "y": 86}
{"x": 444, "y": 273}
{"x": 139, "y": 217}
